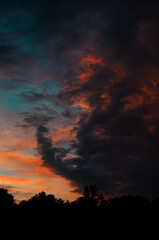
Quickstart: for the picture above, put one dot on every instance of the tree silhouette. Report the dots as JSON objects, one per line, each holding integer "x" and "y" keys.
{"x": 93, "y": 191}
{"x": 6, "y": 199}
{"x": 86, "y": 192}
{"x": 91, "y": 198}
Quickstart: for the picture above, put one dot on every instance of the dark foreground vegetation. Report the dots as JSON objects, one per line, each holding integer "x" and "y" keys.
{"x": 125, "y": 217}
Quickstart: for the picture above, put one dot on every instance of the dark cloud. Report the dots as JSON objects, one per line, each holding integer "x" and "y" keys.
{"x": 33, "y": 96}
{"x": 117, "y": 136}
{"x": 117, "y": 147}
{"x": 39, "y": 115}
{"x": 74, "y": 169}
{"x": 67, "y": 113}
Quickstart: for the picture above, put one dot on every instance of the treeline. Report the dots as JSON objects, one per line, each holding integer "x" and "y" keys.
{"x": 125, "y": 217}
{"x": 91, "y": 199}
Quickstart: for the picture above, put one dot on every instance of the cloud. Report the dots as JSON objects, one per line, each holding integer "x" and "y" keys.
{"x": 59, "y": 161}
{"x": 117, "y": 141}
{"x": 41, "y": 114}
{"x": 104, "y": 56}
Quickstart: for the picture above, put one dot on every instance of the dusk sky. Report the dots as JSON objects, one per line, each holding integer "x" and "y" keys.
{"x": 79, "y": 97}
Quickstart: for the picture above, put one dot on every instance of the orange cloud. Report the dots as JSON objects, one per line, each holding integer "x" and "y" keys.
{"x": 106, "y": 100}
{"x": 87, "y": 62}
{"x": 84, "y": 105}
{"x": 91, "y": 60}
{"x": 64, "y": 134}
{"x": 133, "y": 101}
{"x": 84, "y": 77}
{"x": 26, "y": 175}
{"x": 146, "y": 97}
{"x": 13, "y": 139}
{"x": 148, "y": 85}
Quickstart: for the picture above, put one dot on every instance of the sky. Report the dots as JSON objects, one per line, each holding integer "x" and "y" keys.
{"x": 79, "y": 97}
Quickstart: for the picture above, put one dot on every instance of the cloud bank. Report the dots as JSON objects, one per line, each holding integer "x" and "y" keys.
{"x": 91, "y": 66}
